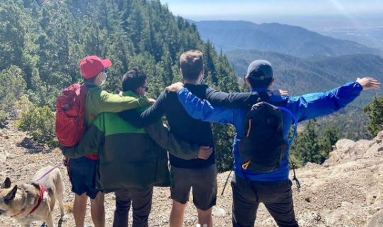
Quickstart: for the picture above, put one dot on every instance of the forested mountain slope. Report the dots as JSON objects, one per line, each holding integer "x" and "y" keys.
{"x": 42, "y": 43}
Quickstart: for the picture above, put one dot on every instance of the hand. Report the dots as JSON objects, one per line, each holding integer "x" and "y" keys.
{"x": 151, "y": 101}
{"x": 368, "y": 83}
{"x": 280, "y": 92}
{"x": 204, "y": 152}
{"x": 175, "y": 87}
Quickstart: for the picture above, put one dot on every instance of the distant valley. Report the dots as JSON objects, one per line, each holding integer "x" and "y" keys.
{"x": 370, "y": 36}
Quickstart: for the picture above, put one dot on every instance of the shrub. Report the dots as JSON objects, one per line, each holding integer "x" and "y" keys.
{"x": 39, "y": 122}
{"x": 3, "y": 118}
{"x": 12, "y": 86}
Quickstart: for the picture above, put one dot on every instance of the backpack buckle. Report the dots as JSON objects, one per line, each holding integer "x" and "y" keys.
{"x": 246, "y": 165}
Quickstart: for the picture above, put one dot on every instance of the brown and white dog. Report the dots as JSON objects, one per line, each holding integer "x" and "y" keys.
{"x": 33, "y": 201}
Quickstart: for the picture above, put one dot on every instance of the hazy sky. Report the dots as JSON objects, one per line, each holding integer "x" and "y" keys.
{"x": 300, "y": 12}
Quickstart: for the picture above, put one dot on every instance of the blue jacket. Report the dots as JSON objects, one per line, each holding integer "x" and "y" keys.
{"x": 303, "y": 107}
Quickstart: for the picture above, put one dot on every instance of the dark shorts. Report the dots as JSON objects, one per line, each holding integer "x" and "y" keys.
{"x": 275, "y": 195}
{"x": 82, "y": 175}
{"x": 204, "y": 184}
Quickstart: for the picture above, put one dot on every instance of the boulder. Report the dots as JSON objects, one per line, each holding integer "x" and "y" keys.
{"x": 3, "y": 156}
{"x": 376, "y": 220}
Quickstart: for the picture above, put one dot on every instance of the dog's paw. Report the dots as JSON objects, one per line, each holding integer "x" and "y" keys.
{"x": 63, "y": 217}
{"x": 61, "y": 220}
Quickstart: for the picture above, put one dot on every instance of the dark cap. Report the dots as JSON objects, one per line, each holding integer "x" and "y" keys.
{"x": 260, "y": 70}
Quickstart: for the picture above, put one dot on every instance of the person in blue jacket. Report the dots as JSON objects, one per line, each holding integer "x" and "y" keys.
{"x": 273, "y": 189}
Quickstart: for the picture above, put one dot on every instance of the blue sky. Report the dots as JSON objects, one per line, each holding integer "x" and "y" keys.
{"x": 352, "y": 12}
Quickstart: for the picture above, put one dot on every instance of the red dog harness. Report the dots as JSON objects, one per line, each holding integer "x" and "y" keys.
{"x": 42, "y": 190}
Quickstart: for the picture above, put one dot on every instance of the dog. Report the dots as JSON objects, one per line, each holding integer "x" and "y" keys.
{"x": 34, "y": 201}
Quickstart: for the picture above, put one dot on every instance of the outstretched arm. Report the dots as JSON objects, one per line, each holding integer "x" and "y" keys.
{"x": 203, "y": 110}
{"x": 314, "y": 105}
{"x": 114, "y": 103}
{"x": 149, "y": 116}
{"x": 233, "y": 100}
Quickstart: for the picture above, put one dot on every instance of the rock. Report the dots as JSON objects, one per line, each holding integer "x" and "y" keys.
{"x": 342, "y": 150}
{"x": 218, "y": 212}
{"x": 311, "y": 165}
{"x": 3, "y": 156}
{"x": 361, "y": 147}
{"x": 344, "y": 145}
{"x": 334, "y": 157}
{"x": 376, "y": 220}
{"x": 379, "y": 137}
{"x": 373, "y": 151}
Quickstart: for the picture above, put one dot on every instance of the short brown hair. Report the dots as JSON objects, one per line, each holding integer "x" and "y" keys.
{"x": 191, "y": 63}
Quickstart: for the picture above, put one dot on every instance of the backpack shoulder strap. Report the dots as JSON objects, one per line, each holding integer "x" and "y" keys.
{"x": 295, "y": 122}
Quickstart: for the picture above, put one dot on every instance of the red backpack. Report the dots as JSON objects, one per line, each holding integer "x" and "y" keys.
{"x": 70, "y": 115}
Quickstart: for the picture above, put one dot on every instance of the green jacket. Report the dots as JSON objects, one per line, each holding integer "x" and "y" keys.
{"x": 130, "y": 157}
{"x": 98, "y": 101}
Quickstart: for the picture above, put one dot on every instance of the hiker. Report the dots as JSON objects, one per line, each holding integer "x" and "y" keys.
{"x": 83, "y": 170}
{"x": 201, "y": 175}
{"x": 131, "y": 162}
{"x": 269, "y": 184}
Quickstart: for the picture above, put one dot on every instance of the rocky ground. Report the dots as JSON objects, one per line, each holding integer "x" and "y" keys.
{"x": 347, "y": 190}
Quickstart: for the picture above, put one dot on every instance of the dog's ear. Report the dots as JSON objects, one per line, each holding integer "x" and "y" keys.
{"x": 7, "y": 183}
{"x": 11, "y": 195}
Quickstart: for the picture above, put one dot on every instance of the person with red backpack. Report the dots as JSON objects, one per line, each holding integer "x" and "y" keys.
{"x": 82, "y": 171}
{"x": 261, "y": 143}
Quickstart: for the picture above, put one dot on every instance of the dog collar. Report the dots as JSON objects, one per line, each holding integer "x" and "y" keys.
{"x": 42, "y": 190}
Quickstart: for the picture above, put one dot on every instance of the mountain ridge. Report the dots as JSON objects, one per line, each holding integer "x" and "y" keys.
{"x": 276, "y": 37}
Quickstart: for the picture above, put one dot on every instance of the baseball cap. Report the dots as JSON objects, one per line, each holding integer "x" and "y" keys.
{"x": 92, "y": 65}
{"x": 260, "y": 70}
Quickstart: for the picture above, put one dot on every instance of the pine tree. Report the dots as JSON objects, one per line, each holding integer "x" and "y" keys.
{"x": 374, "y": 111}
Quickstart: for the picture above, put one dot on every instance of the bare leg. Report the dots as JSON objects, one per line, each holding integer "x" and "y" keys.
{"x": 204, "y": 217}
{"x": 49, "y": 220}
{"x": 79, "y": 209}
{"x": 177, "y": 214}
{"x": 98, "y": 210}
{"x": 61, "y": 206}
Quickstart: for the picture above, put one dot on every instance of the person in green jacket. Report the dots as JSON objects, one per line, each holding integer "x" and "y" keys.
{"x": 83, "y": 170}
{"x": 131, "y": 162}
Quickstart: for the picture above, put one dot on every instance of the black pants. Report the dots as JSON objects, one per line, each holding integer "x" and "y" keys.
{"x": 141, "y": 200}
{"x": 276, "y": 196}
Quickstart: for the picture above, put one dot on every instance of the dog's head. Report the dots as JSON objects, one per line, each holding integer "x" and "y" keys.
{"x": 10, "y": 203}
